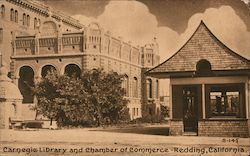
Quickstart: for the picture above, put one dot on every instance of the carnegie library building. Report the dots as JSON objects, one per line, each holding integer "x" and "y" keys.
{"x": 209, "y": 88}
{"x": 35, "y": 38}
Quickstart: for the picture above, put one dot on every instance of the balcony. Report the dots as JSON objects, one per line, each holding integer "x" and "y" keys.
{"x": 70, "y": 43}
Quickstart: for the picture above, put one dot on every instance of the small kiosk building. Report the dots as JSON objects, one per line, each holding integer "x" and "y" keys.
{"x": 209, "y": 88}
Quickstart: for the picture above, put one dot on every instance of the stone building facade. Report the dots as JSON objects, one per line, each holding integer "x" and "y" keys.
{"x": 34, "y": 38}
{"x": 209, "y": 88}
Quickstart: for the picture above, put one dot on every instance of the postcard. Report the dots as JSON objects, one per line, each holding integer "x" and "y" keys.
{"x": 124, "y": 77}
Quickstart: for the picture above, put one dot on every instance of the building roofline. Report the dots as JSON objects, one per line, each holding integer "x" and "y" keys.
{"x": 44, "y": 9}
{"x": 201, "y": 23}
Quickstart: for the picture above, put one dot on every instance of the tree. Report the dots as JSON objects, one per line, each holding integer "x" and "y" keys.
{"x": 60, "y": 98}
{"x": 106, "y": 99}
{"x": 96, "y": 97}
{"x": 47, "y": 94}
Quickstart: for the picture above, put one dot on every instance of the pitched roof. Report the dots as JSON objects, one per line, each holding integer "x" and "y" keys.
{"x": 202, "y": 45}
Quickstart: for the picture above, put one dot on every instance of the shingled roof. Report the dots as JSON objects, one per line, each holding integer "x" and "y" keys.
{"x": 202, "y": 45}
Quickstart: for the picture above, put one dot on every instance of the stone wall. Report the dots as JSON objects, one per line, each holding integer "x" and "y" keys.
{"x": 224, "y": 128}
{"x": 176, "y": 127}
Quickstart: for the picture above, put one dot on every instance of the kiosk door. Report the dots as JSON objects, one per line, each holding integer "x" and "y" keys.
{"x": 190, "y": 116}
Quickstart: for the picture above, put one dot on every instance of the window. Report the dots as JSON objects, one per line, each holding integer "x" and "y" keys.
{"x": 149, "y": 88}
{"x": 2, "y": 11}
{"x": 133, "y": 112}
{"x": 35, "y": 23}
{"x": 1, "y": 35}
{"x": 28, "y": 20}
{"x": 125, "y": 85}
{"x": 203, "y": 68}
{"x": 135, "y": 87}
{"x": 24, "y": 19}
{"x": 14, "y": 109}
{"x": 12, "y": 15}
{"x": 38, "y": 23}
{"x": 16, "y": 16}
{"x": 227, "y": 100}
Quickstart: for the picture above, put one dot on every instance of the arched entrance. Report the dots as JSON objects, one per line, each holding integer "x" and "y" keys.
{"x": 72, "y": 70}
{"x": 46, "y": 69}
{"x": 26, "y": 83}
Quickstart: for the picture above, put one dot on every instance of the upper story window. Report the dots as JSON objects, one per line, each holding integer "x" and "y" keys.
{"x": 37, "y": 23}
{"x": 203, "y": 68}
{"x": 2, "y": 11}
{"x": 16, "y": 16}
{"x": 28, "y": 20}
{"x": 1, "y": 35}
{"x": 125, "y": 84}
{"x": 12, "y": 15}
{"x": 24, "y": 19}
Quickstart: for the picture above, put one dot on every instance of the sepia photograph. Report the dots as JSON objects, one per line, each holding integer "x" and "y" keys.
{"x": 125, "y": 77}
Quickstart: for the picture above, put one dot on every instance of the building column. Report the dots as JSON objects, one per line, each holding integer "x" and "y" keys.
{"x": 83, "y": 42}
{"x": 203, "y": 102}
{"x": 13, "y": 42}
{"x": 59, "y": 44}
{"x": 37, "y": 43}
{"x": 247, "y": 104}
{"x": 170, "y": 102}
{"x": 15, "y": 80}
{"x": 247, "y": 98}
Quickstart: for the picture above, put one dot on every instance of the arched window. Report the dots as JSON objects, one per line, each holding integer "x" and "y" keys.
{"x": 28, "y": 20}
{"x": 46, "y": 69}
{"x": 14, "y": 109}
{"x": 125, "y": 84}
{"x": 24, "y": 19}
{"x": 1, "y": 35}
{"x": 12, "y": 15}
{"x": 16, "y": 16}
{"x": 72, "y": 70}
{"x": 35, "y": 23}
{"x": 203, "y": 68}
{"x": 149, "y": 88}
{"x": 26, "y": 83}
{"x": 2, "y": 11}
{"x": 157, "y": 89}
{"x": 38, "y": 23}
{"x": 135, "y": 87}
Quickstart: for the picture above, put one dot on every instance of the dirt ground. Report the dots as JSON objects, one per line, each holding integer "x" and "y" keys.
{"x": 91, "y": 141}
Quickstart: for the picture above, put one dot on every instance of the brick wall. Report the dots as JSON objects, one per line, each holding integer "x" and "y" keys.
{"x": 223, "y": 128}
{"x": 176, "y": 127}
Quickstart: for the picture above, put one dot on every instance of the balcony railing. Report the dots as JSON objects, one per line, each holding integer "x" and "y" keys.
{"x": 31, "y": 45}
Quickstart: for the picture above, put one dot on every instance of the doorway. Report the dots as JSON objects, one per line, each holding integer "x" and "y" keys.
{"x": 190, "y": 109}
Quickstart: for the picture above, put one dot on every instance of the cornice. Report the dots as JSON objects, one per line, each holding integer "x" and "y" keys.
{"x": 44, "y": 10}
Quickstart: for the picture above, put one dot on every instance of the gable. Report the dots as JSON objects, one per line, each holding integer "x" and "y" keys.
{"x": 202, "y": 45}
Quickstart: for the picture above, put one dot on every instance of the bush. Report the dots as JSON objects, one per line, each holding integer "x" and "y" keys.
{"x": 32, "y": 124}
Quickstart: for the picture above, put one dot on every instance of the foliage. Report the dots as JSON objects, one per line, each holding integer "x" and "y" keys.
{"x": 93, "y": 99}
{"x": 150, "y": 114}
{"x": 164, "y": 112}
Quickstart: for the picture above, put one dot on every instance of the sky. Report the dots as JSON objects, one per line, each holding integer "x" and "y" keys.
{"x": 172, "y": 22}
